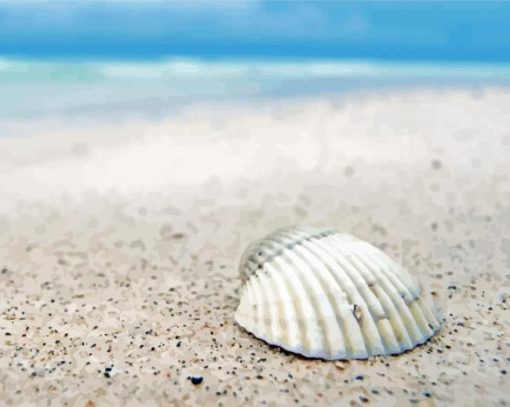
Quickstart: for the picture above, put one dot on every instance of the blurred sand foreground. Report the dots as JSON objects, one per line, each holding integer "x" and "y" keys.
{"x": 119, "y": 245}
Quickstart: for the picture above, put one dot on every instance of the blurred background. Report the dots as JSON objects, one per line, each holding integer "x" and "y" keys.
{"x": 133, "y": 96}
{"x": 145, "y": 57}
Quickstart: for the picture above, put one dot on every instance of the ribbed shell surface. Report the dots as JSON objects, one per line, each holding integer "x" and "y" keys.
{"x": 328, "y": 295}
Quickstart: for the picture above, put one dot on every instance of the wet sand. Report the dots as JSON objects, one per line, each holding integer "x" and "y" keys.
{"x": 119, "y": 245}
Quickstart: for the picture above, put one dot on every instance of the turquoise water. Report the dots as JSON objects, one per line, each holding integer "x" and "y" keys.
{"x": 31, "y": 88}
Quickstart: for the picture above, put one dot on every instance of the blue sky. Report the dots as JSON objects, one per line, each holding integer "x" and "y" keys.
{"x": 409, "y": 30}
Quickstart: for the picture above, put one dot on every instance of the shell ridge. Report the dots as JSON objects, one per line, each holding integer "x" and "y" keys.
{"x": 393, "y": 331}
{"x": 333, "y": 334}
{"x": 368, "y": 327}
{"x": 363, "y": 295}
{"x": 418, "y": 312}
{"x": 420, "y": 309}
{"x": 375, "y": 309}
{"x": 322, "y": 309}
{"x": 293, "y": 335}
{"x": 273, "y": 308}
{"x": 429, "y": 314}
{"x": 389, "y": 269}
{"x": 333, "y": 330}
{"x": 399, "y": 272}
{"x": 257, "y": 317}
{"x": 329, "y": 283}
{"x": 351, "y": 335}
{"x": 391, "y": 310}
{"x": 259, "y": 303}
{"x": 257, "y": 253}
{"x": 419, "y": 315}
{"x": 305, "y": 304}
{"x": 413, "y": 329}
{"x": 250, "y": 300}
{"x": 388, "y": 336}
{"x": 242, "y": 309}
{"x": 358, "y": 279}
{"x": 244, "y": 303}
{"x": 403, "y": 318}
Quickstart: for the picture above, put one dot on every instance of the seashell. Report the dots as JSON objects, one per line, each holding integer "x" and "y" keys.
{"x": 328, "y": 295}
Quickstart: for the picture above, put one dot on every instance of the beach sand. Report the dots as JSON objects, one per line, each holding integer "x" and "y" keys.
{"x": 120, "y": 241}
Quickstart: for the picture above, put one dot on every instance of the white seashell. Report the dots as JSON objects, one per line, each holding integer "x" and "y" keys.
{"x": 328, "y": 295}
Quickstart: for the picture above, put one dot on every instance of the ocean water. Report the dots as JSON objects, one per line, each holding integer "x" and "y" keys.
{"x": 85, "y": 88}
{"x": 385, "y": 30}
